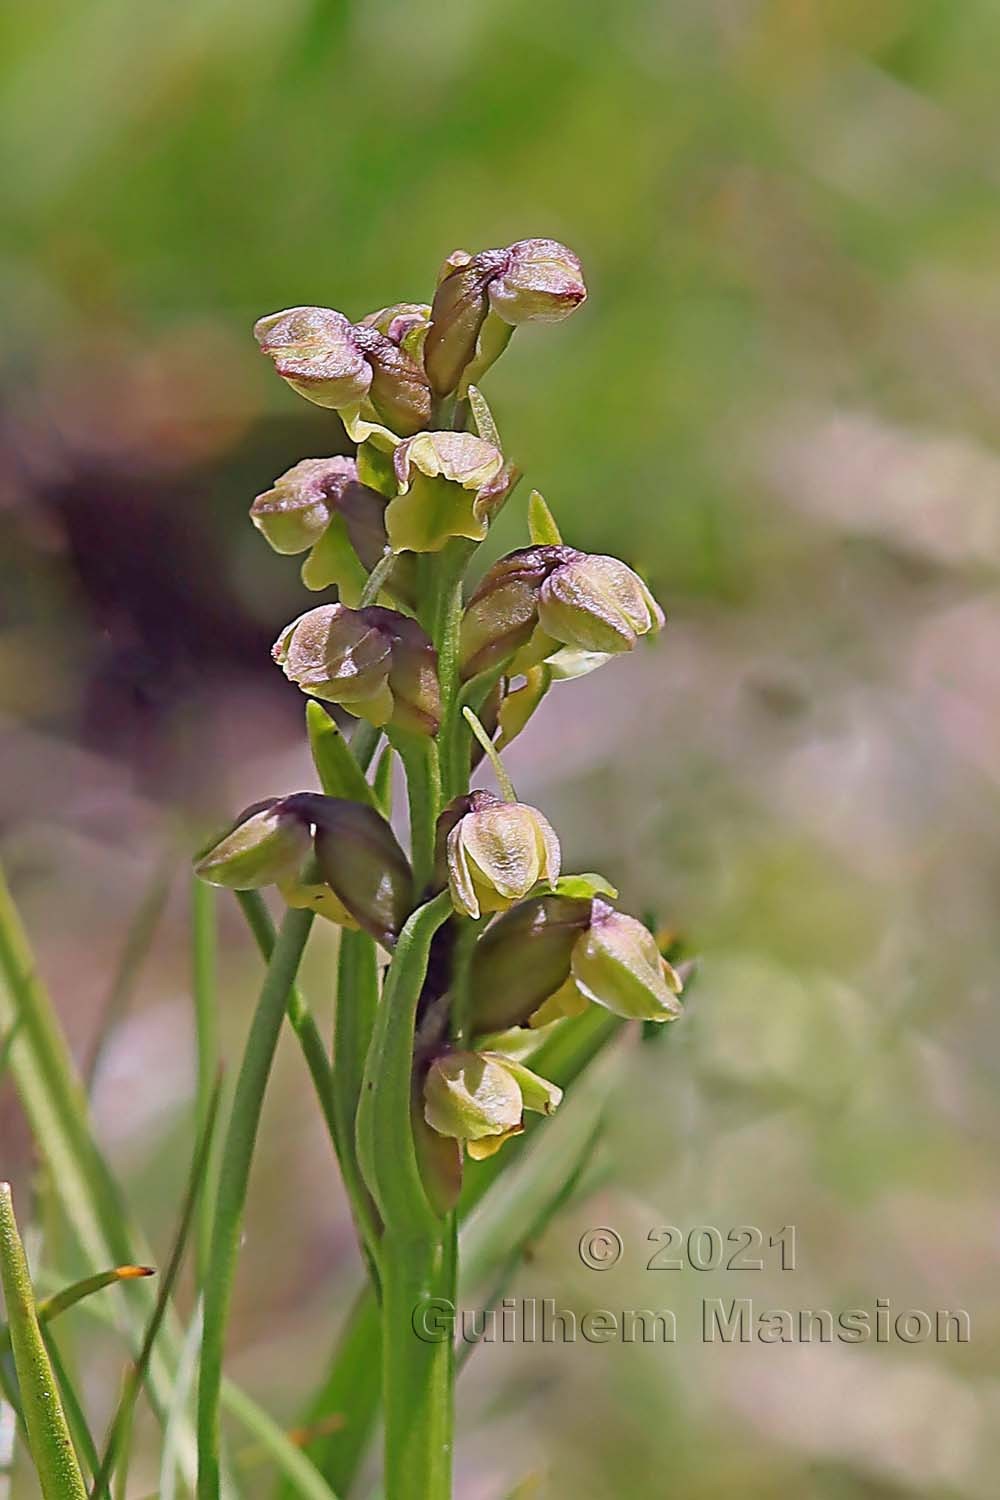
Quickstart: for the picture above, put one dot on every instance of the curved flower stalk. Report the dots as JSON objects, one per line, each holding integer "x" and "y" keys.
{"x": 485, "y": 940}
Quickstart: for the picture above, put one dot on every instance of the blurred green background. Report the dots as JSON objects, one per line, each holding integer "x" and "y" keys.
{"x": 781, "y": 402}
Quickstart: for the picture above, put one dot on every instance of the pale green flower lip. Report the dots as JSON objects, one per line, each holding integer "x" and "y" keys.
{"x": 480, "y": 1098}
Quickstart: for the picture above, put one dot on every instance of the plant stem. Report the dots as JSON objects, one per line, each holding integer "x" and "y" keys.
{"x": 444, "y": 618}
{"x": 234, "y": 1175}
{"x": 418, "y": 1370}
{"x": 419, "y": 755}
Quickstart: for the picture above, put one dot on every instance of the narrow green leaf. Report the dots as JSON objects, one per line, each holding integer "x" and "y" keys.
{"x": 542, "y": 526}
{"x": 175, "y": 1418}
{"x": 531, "y": 1206}
{"x": 206, "y": 1025}
{"x": 234, "y": 1175}
{"x": 300, "y": 1016}
{"x": 338, "y": 771}
{"x": 45, "y": 1420}
{"x": 51, "y": 1307}
{"x": 483, "y": 417}
{"x": 298, "y": 1469}
{"x": 6, "y": 1046}
{"x": 351, "y": 1392}
{"x": 384, "y": 1133}
{"x": 56, "y": 1108}
{"x": 354, "y": 1021}
{"x": 138, "y": 941}
{"x": 76, "y": 1417}
{"x": 121, "y": 1423}
{"x": 584, "y": 886}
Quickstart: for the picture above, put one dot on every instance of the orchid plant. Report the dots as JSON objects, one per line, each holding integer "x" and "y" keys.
{"x": 463, "y": 955}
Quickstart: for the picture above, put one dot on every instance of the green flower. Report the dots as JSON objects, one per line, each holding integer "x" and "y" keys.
{"x": 377, "y": 663}
{"x": 480, "y": 1098}
{"x": 497, "y": 852}
{"x": 450, "y": 484}
{"x": 355, "y": 368}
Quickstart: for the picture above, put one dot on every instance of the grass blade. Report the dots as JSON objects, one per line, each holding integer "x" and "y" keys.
{"x": 301, "y": 1474}
{"x": 76, "y": 1417}
{"x": 234, "y": 1175}
{"x": 206, "y": 1025}
{"x": 351, "y": 1392}
{"x": 6, "y": 1046}
{"x": 176, "y": 1415}
{"x": 55, "y": 1105}
{"x": 300, "y": 1016}
{"x": 45, "y": 1421}
{"x": 122, "y": 1420}
{"x": 138, "y": 941}
{"x": 51, "y": 1307}
{"x": 562, "y": 1192}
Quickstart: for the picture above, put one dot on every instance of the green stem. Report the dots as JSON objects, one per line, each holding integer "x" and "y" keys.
{"x": 234, "y": 1175}
{"x": 418, "y": 1363}
{"x": 419, "y": 755}
{"x": 417, "y": 1260}
{"x": 445, "y": 622}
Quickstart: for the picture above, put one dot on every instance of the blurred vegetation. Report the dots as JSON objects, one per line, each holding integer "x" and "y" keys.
{"x": 781, "y": 403}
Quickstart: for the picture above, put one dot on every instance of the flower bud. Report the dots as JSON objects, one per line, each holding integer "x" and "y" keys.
{"x": 553, "y": 603}
{"x": 595, "y": 603}
{"x": 360, "y": 859}
{"x": 457, "y": 315}
{"x": 541, "y": 282}
{"x": 480, "y": 1098}
{"x": 399, "y": 392}
{"x": 297, "y": 510}
{"x": 313, "y": 349}
{"x": 266, "y": 845}
{"x": 450, "y": 484}
{"x": 376, "y": 663}
{"x": 503, "y": 611}
{"x": 344, "y": 365}
{"x": 522, "y": 959}
{"x": 481, "y": 297}
{"x": 617, "y": 964}
{"x": 497, "y": 852}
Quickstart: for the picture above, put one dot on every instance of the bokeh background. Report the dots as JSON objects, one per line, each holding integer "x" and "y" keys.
{"x": 782, "y": 403}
